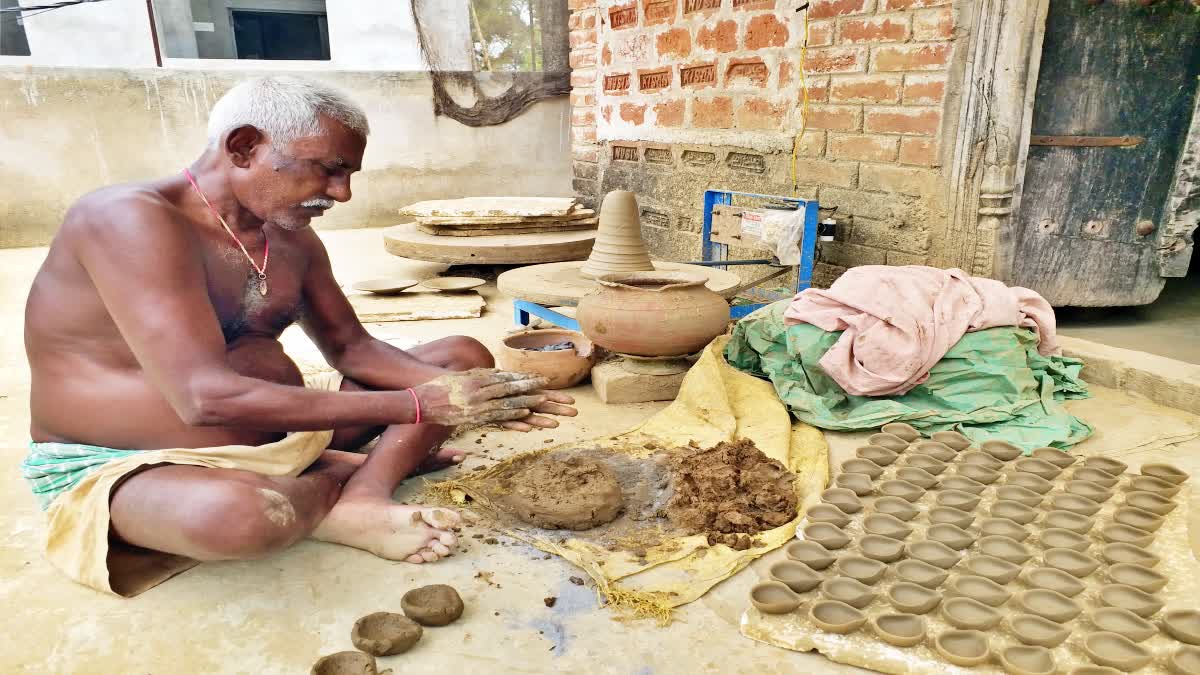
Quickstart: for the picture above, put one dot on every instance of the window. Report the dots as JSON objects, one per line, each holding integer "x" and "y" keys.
{"x": 244, "y": 29}
{"x": 280, "y": 36}
{"x": 12, "y": 30}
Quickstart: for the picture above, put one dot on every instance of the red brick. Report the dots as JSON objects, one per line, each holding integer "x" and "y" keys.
{"x": 591, "y": 17}
{"x": 753, "y": 4}
{"x": 835, "y": 117}
{"x": 606, "y": 56}
{"x": 924, "y": 89}
{"x": 818, "y": 88}
{"x": 716, "y": 113}
{"x": 746, "y": 71}
{"x": 583, "y": 58}
{"x": 616, "y": 84}
{"x": 669, "y": 113}
{"x": 585, "y": 153}
{"x": 874, "y": 29}
{"x": 824, "y": 9}
{"x": 606, "y": 113}
{"x": 581, "y": 135}
{"x": 933, "y": 24}
{"x": 583, "y": 117}
{"x": 912, "y": 57}
{"x": 633, "y": 113}
{"x": 837, "y": 60}
{"x": 583, "y": 98}
{"x": 820, "y": 33}
{"x": 623, "y": 16}
{"x": 705, "y": 6}
{"x": 698, "y": 75}
{"x": 863, "y": 148}
{"x": 575, "y": 21}
{"x": 765, "y": 30}
{"x": 660, "y": 11}
{"x": 583, "y": 78}
{"x": 759, "y": 113}
{"x": 919, "y": 151}
{"x": 675, "y": 42}
{"x": 581, "y": 4}
{"x": 721, "y": 38}
{"x": 912, "y": 121}
{"x": 899, "y": 179}
{"x": 893, "y": 5}
{"x": 865, "y": 88}
{"x": 582, "y": 38}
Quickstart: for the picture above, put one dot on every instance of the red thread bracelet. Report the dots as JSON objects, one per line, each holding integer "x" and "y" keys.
{"x": 417, "y": 402}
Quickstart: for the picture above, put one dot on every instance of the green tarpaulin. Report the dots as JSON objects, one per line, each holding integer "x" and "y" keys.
{"x": 992, "y": 384}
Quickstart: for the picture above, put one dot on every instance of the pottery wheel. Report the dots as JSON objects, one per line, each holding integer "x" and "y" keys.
{"x": 562, "y": 284}
{"x": 407, "y": 241}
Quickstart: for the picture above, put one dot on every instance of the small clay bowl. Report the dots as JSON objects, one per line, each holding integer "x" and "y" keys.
{"x": 902, "y": 489}
{"x": 795, "y": 575}
{"x": 1038, "y": 467}
{"x": 385, "y": 633}
{"x": 832, "y": 538}
{"x": 1068, "y": 520}
{"x": 810, "y": 553}
{"x": 901, "y": 630}
{"x": 827, "y": 513}
{"x": 970, "y": 614}
{"x": 881, "y": 548}
{"x": 896, "y": 507}
{"x": 1001, "y": 450}
{"x": 1185, "y": 661}
{"x": 952, "y": 439}
{"x": 1055, "y": 580}
{"x": 1106, "y": 464}
{"x": 939, "y": 451}
{"x": 963, "y": 484}
{"x": 564, "y": 368}
{"x": 982, "y": 459}
{"x": 1077, "y": 564}
{"x": 901, "y": 430}
{"x": 435, "y": 605}
{"x": 773, "y": 597}
{"x": 842, "y": 498}
{"x": 988, "y": 567}
{"x": 385, "y": 286}
{"x": 984, "y": 590}
{"x": 1050, "y": 605}
{"x": 1002, "y": 527}
{"x": 1171, "y": 474}
{"x": 1116, "y": 651}
{"x": 964, "y": 648}
{"x": 1022, "y": 660}
{"x": 1124, "y": 534}
{"x": 340, "y": 663}
{"x": 1097, "y": 476}
{"x": 1144, "y": 579}
{"x": 919, "y": 477}
{"x": 912, "y": 598}
{"x": 1074, "y": 503}
{"x": 1135, "y": 517}
{"x": 978, "y": 473}
{"x": 847, "y": 590}
{"x": 1127, "y": 597}
{"x": 858, "y": 483}
{"x": 862, "y": 569}
{"x": 951, "y": 535}
{"x": 1148, "y": 501}
{"x": 1127, "y": 553}
{"x": 1014, "y": 511}
{"x": 1032, "y": 629}
{"x": 1183, "y": 625}
{"x": 929, "y": 464}
{"x": 1057, "y": 537}
{"x": 1123, "y": 622}
{"x": 874, "y": 453}
{"x": 453, "y": 284}
{"x": 920, "y": 573}
{"x": 1016, "y": 493}
{"x": 836, "y": 617}
{"x": 889, "y": 441}
{"x": 957, "y": 499}
{"x": 1083, "y": 488}
{"x": 886, "y": 526}
{"x": 1004, "y": 549}
{"x": 1156, "y": 485}
{"x": 935, "y": 553}
{"x": 1030, "y": 482}
{"x": 1057, "y": 457}
{"x": 950, "y": 516}
{"x": 859, "y": 465}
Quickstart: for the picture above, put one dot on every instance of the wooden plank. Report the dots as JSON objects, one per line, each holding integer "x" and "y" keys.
{"x": 1088, "y": 141}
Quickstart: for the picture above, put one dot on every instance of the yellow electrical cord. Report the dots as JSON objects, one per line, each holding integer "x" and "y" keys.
{"x": 803, "y": 107}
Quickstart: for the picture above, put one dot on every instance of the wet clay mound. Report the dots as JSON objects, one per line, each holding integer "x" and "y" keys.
{"x": 730, "y": 491}
{"x": 574, "y": 493}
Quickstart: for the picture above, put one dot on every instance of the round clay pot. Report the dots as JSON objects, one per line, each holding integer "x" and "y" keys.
{"x": 881, "y": 548}
{"x": 1124, "y": 534}
{"x": 1156, "y": 485}
{"x": 1014, "y": 511}
{"x": 385, "y": 633}
{"x": 1057, "y": 537}
{"x": 1056, "y": 580}
{"x": 1123, "y": 622}
{"x": 895, "y": 507}
{"x": 859, "y": 465}
{"x": 952, "y": 439}
{"x": 1185, "y": 661}
{"x": 950, "y": 516}
{"x": 1148, "y": 501}
{"x": 1135, "y": 517}
{"x": 1097, "y": 476}
{"x": 1016, "y": 493}
{"x": 795, "y": 575}
{"x": 919, "y": 477}
{"x": 901, "y": 630}
{"x": 1127, "y": 597}
{"x": 810, "y": 553}
{"x": 652, "y": 313}
{"x": 1167, "y": 472}
{"x": 932, "y": 466}
{"x": 1092, "y": 491}
{"x": 836, "y": 617}
{"x": 984, "y": 590}
{"x": 905, "y": 431}
{"x": 1127, "y": 553}
{"x": 1107, "y": 464}
{"x": 979, "y": 473}
{"x": 435, "y": 605}
{"x": 773, "y": 597}
{"x": 564, "y": 368}
{"x": 970, "y": 614}
{"x": 1076, "y": 564}
{"x": 1074, "y": 503}
{"x": 957, "y": 499}
{"x": 861, "y": 569}
{"x": 1144, "y": 579}
{"x": 1183, "y": 625}
{"x": 1055, "y": 456}
{"x": 1032, "y": 629}
{"x": 951, "y": 535}
{"x": 939, "y": 451}
{"x": 847, "y": 590}
{"x": 1030, "y": 482}
{"x": 842, "y": 498}
{"x": 858, "y": 483}
{"x": 902, "y": 489}
{"x": 341, "y": 663}
{"x": 963, "y": 484}
{"x": 1002, "y": 527}
{"x": 874, "y": 453}
{"x": 988, "y": 567}
{"x": 832, "y": 538}
{"x": 1115, "y": 651}
{"x": 1004, "y": 549}
{"x": 1027, "y": 661}
{"x": 1068, "y": 520}
{"x": 912, "y": 598}
{"x": 920, "y": 573}
{"x": 827, "y": 513}
{"x": 964, "y": 648}
{"x": 935, "y": 553}
{"x": 1001, "y": 450}
{"x": 893, "y": 443}
{"x": 1050, "y": 605}
{"x": 886, "y": 526}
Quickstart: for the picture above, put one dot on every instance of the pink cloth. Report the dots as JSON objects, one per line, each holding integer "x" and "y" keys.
{"x": 900, "y": 321}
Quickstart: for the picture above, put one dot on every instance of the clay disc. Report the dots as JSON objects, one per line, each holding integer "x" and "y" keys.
{"x": 570, "y": 494}
{"x": 453, "y": 284}
{"x": 564, "y": 284}
{"x": 385, "y": 633}
{"x": 408, "y": 241}
{"x": 435, "y": 605}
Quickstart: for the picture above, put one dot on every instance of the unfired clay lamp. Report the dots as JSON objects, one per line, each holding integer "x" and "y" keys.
{"x": 1027, "y": 661}
{"x": 1068, "y": 520}
{"x": 1057, "y": 537}
{"x": 893, "y": 443}
{"x": 902, "y": 430}
{"x": 1016, "y": 493}
{"x": 1139, "y": 518}
{"x": 957, "y": 499}
{"x": 912, "y": 598}
{"x": 1053, "y": 455}
{"x": 861, "y": 569}
{"x": 963, "y": 484}
{"x": 953, "y": 439}
{"x": 772, "y": 597}
{"x": 988, "y": 567}
{"x": 929, "y": 464}
{"x": 1001, "y": 450}
{"x": 1127, "y": 597}
{"x": 920, "y": 573}
{"x": 858, "y": 465}
{"x": 1002, "y": 527}
{"x": 981, "y": 458}
{"x": 919, "y": 477}
{"x": 842, "y": 498}
{"x": 827, "y": 535}
{"x": 951, "y": 516}
{"x": 1107, "y": 464}
{"x": 1092, "y": 491}
{"x": 1124, "y": 534}
{"x": 827, "y": 513}
{"x": 1074, "y": 503}
{"x": 1144, "y": 579}
{"x": 902, "y": 489}
{"x": 810, "y": 553}
{"x": 952, "y": 536}
{"x": 836, "y": 617}
{"x": 1123, "y": 622}
{"x": 896, "y": 507}
{"x": 619, "y": 246}
{"x": 979, "y": 473}
{"x": 1095, "y": 670}
{"x": 1126, "y": 553}
{"x": 345, "y": 662}
{"x": 874, "y": 453}
{"x": 1038, "y": 467}
{"x": 795, "y": 575}
{"x": 1167, "y": 472}
{"x": 385, "y": 633}
{"x": 1030, "y": 482}
{"x": 1004, "y": 549}
{"x": 970, "y": 614}
{"x": 1072, "y": 562}
{"x": 1183, "y": 625}
{"x": 1097, "y": 476}
{"x": 881, "y": 548}
{"x": 939, "y": 451}
{"x": 963, "y": 647}
{"x": 901, "y": 630}
{"x": 1116, "y": 651}
{"x": 1049, "y": 605}
{"x": 886, "y": 525}
{"x": 1032, "y": 629}
{"x": 1054, "y": 580}
{"x": 984, "y": 590}
{"x": 847, "y": 590}
{"x": 1148, "y": 501}
{"x": 1014, "y": 511}
{"x": 859, "y": 484}
{"x": 935, "y": 553}
{"x": 1156, "y": 485}
{"x": 1185, "y": 661}
{"x": 434, "y": 605}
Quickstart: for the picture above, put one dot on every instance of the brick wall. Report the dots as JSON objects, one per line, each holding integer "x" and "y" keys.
{"x": 671, "y": 97}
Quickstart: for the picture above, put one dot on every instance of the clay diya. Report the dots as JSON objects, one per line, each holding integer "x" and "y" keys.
{"x": 1124, "y": 534}
{"x": 842, "y": 498}
{"x": 889, "y": 441}
{"x": 957, "y": 499}
{"x": 952, "y": 439}
{"x": 874, "y": 453}
{"x": 929, "y": 464}
{"x": 810, "y": 553}
{"x": 901, "y": 630}
{"x": 970, "y": 614}
{"x": 1068, "y": 520}
{"x": 1127, "y": 597}
{"x": 795, "y": 575}
{"x": 1123, "y": 622}
{"x": 1185, "y": 661}
{"x": 1183, "y": 625}
{"x": 1016, "y": 493}
{"x": 1127, "y": 553}
{"x": 1074, "y": 503}
{"x": 901, "y": 430}
{"x": 1004, "y": 549}
{"x": 773, "y": 597}
{"x": 896, "y": 507}
{"x": 963, "y": 484}
{"x": 902, "y": 489}
{"x": 1055, "y": 580}
{"x": 1076, "y": 564}
{"x": 1021, "y": 660}
{"x": 1156, "y": 485}
{"x": 1030, "y": 482}
{"x": 1115, "y": 651}
{"x": 1135, "y": 517}
{"x": 939, "y": 451}
{"x": 1057, "y": 537}
{"x": 1050, "y": 605}
{"x": 1097, "y": 476}
{"x": 1083, "y": 488}
{"x": 861, "y": 569}
{"x": 1001, "y": 450}
{"x": 859, "y": 484}
{"x": 1148, "y": 501}
{"x": 1055, "y": 456}
{"x": 982, "y": 459}
{"x": 952, "y": 536}
{"x": 921, "y": 573}
{"x": 886, "y": 526}
{"x": 1167, "y": 472}
{"x": 859, "y": 465}
{"x": 1142, "y": 578}
{"x": 836, "y": 617}
{"x": 685, "y": 314}
{"x": 359, "y": 663}
{"x": 935, "y": 553}
{"x": 984, "y": 590}
{"x": 1014, "y": 511}
{"x": 1002, "y": 527}
{"x": 989, "y": 567}
{"x": 832, "y": 538}
{"x": 827, "y": 513}
{"x": 881, "y": 548}
{"x": 964, "y": 648}
{"x": 913, "y": 599}
{"x": 919, "y": 477}
{"x": 847, "y": 590}
{"x": 979, "y": 473}
{"x": 385, "y": 633}
{"x": 1032, "y": 629}
{"x": 950, "y": 516}
{"x": 1038, "y": 467}
{"x": 1106, "y": 464}
{"x": 434, "y": 605}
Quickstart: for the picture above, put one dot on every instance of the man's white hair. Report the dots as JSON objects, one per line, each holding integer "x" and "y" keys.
{"x": 283, "y": 107}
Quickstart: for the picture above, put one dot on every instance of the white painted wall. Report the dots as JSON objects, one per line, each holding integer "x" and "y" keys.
{"x": 114, "y": 33}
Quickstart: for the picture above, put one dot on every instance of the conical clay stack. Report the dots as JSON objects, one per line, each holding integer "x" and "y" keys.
{"x": 619, "y": 246}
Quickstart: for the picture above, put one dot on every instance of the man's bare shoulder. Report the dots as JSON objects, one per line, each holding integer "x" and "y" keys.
{"x": 117, "y": 212}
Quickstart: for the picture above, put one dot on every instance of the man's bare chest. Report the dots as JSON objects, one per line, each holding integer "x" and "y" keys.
{"x": 236, "y": 292}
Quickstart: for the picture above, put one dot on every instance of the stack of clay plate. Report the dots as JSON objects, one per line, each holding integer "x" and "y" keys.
{"x": 486, "y": 216}
{"x": 937, "y": 555}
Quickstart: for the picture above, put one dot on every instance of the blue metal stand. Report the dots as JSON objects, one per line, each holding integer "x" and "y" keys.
{"x": 523, "y": 309}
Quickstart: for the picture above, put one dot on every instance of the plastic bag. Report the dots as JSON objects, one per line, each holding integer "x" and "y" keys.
{"x": 782, "y": 231}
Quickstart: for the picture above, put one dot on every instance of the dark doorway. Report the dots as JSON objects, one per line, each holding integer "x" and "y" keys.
{"x": 281, "y": 36}
{"x": 12, "y": 32}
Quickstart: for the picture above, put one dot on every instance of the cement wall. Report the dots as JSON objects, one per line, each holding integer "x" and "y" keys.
{"x": 68, "y": 131}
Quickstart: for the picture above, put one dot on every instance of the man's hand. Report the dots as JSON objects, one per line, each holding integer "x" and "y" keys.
{"x": 557, "y": 403}
{"x": 479, "y": 396}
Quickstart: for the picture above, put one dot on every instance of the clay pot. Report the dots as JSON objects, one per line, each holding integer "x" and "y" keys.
{"x": 921, "y": 573}
{"x": 619, "y": 246}
{"x": 772, "y": 597}
{"x": 340, "y": 663}
{"x": 1002, "y": 527}
{"x": 952, "y": 439}
{"x": 1050, "y": 605}
{"x": 844, "y": 499}
{"x": 970, "y": 614}
{"x": 897, "y": 507}
{"x": 1116, "y": 651}
{"x": 1123, "y": 622}
{"x": 564, "y": 368}
{"x": 1055, "y": 456}
{"x": 810, "y": 553}
{"x": 902, "y": 430}
{"x": 795, "y": 575}
{"x": 1127, "y": 553}
{"x": 859, "y": 465}
{"x": 950, "y": 516}
{"x": 1056, "y": 537}
{"x": 1167, "y": 472}
{"x": 901, "y": 630}
{"x": 1148, "y": 501}
{"x": 1030, "y": 482}
{"x": 1034, "y": 630}
{"x": 963, "y": 484}
{"x": 827, "y": 513}
{"x": 874, "y": 453}
{"x": 652, "y": 313}
{"x": 385, "y": 633}
{"x": 847, "y": 590}
{"x": 939, "y": 451}
{"x": 836, "y": 617}
{"x": 893, "y": 443}
{"x": 1074, "y": 563}
{"x": 1142, "y": 578}
{"x": 1027, "y": 661}
{"x": 862, "y": 570}
{"x": 1183, "y": 625}
{"x": 912, "y": 598}
{"x": 984, "y": 590}
{"x": 964, "y": 648}
{"x": 1127, "y": 597}
{"x": 1056, "y": 580}
{"x": 1185, "y": 661}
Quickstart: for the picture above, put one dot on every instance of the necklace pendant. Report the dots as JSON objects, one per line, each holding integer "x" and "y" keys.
{"x": 262, "y": 287}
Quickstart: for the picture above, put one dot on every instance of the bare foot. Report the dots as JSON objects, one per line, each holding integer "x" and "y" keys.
{"x": 389, "y": 530}
{"x": 441, "y": 459}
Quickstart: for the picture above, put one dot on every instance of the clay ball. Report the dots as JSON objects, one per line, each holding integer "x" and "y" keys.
{"x": 385, "y": 633}
{"x": 345, "y": 663}
{"x": 435, "y": 605}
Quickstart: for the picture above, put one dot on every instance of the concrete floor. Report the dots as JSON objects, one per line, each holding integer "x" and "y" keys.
{"x": 279, "y": 615}
{"x": 1169, "y": 327}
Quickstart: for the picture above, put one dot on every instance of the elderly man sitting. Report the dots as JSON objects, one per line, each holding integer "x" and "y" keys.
{"x": 168, "y": 424}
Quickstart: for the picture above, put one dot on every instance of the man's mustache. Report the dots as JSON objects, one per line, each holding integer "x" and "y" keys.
{"x": 318, "y": 204}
